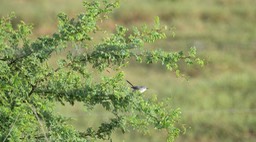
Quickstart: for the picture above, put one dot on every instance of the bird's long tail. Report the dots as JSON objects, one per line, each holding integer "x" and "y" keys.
{"x": 129, "y": 83}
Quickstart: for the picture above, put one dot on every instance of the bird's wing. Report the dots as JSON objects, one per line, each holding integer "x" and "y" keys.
{"x": 130, "y": 83}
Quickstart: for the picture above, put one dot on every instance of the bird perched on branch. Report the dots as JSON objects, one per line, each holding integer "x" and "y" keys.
{"x": 141, "y": 89}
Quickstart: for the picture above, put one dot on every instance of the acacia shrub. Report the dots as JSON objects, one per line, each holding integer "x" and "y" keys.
{"x": 30, "y": 87}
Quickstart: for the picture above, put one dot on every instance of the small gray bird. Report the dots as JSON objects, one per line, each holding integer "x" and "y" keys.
{"x": 141, "y": 89}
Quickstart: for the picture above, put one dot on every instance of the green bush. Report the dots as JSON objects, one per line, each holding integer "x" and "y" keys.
{"x": 30, "y": 87}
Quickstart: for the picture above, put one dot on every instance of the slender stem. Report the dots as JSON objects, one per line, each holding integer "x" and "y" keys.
{"x": 11, "y": 128}
{"x": 39, "y": 121}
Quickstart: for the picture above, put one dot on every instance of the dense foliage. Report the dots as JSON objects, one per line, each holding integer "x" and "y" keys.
{"x": 30, "y": 87}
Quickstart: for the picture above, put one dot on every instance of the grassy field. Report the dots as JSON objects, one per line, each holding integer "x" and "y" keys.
{"x": 217, "y": 101}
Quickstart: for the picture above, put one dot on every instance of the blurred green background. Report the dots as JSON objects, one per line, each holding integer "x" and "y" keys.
{"x": 218, "y": 102}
